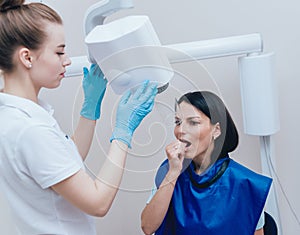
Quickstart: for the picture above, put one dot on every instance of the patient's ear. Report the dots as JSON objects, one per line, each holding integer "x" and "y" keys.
{"x": 217, "y": 130}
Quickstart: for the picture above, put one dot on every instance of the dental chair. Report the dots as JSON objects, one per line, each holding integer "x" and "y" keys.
{"x": 270, "y": 227}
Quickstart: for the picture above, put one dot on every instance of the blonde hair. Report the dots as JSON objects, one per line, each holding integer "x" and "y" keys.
{"x": 22, "y": 25}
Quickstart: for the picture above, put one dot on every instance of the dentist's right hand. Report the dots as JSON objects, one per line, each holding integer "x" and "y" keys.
{"x": 132, "y": 109}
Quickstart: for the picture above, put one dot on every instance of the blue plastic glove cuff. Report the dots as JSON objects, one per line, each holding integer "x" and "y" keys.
{"x": 91, "y": 110}
{"x": 124, "y": 136}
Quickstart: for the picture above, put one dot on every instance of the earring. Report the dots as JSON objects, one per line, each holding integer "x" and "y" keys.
{"x": 29, "y": 66}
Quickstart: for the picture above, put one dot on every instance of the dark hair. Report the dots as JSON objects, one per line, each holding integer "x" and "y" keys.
{"x": 214, "y": 108}
{"x": 22, "y": 25}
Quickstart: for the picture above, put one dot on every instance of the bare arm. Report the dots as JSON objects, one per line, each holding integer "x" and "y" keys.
{"x": 94, "y": 87}
{"x": 83, "y": 136}
{"x": 259, "y": 232}
{"x": 95, "y": 197}
{"x": 154, "y": 212}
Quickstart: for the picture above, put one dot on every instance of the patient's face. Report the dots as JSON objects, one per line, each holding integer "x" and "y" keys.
{"x": 194, "y": 128}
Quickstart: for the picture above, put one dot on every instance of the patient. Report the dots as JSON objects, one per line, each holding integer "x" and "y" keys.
{"x": 199, "y": 188}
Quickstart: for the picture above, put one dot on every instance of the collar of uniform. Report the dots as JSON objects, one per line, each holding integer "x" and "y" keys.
{"x": 41, "y": 111}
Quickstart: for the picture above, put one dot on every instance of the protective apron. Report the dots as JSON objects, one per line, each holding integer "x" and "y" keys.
{"x": 227, "y": 199}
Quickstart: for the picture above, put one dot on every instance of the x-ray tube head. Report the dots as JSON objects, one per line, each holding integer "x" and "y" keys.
{"x": 128, "y": 51}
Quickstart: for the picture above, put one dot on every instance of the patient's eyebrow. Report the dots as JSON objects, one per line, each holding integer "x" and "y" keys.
{"x": 192, "y": 117}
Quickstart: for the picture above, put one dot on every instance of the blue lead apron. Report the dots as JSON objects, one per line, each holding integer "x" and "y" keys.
{"x": 230, "y": 204}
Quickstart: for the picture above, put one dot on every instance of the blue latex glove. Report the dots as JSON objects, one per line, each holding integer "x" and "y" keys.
{"x": 132, "y": 108}
{"x": 94, "y": 86}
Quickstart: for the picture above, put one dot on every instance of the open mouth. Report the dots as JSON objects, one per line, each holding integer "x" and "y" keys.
{"x": 188, "y": 144}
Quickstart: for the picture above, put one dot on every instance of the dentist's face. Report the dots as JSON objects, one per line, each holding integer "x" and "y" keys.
{"x": 50, "y": 62}
{"x": 194, "y": 128}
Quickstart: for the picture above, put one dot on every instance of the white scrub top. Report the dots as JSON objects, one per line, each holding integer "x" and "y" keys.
{"x": 34, "y": 155}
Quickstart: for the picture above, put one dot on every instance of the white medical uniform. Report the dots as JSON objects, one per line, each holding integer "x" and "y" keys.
{"x": 34, "y": 155}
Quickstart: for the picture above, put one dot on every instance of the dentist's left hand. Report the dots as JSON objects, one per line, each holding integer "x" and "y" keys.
{"x": 94, "y": 87}
{"x": 132, "y": 109}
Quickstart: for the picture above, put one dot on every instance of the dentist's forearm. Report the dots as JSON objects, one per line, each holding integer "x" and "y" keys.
{"x": 110, "y": 176}
{"x": 83, "y": 136}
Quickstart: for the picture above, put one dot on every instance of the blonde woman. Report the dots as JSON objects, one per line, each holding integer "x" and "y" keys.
{"x": 41, "y": 168}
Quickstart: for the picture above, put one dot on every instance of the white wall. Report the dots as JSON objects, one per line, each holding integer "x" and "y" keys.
{"x": 191, "y": 20}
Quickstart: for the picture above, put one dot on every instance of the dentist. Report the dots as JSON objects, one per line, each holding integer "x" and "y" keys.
{"x": 41, "y": 168}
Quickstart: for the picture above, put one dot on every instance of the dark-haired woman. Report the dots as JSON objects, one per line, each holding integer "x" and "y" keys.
{"x": 41, "y": 168}
{"x": 199, "y": 189}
